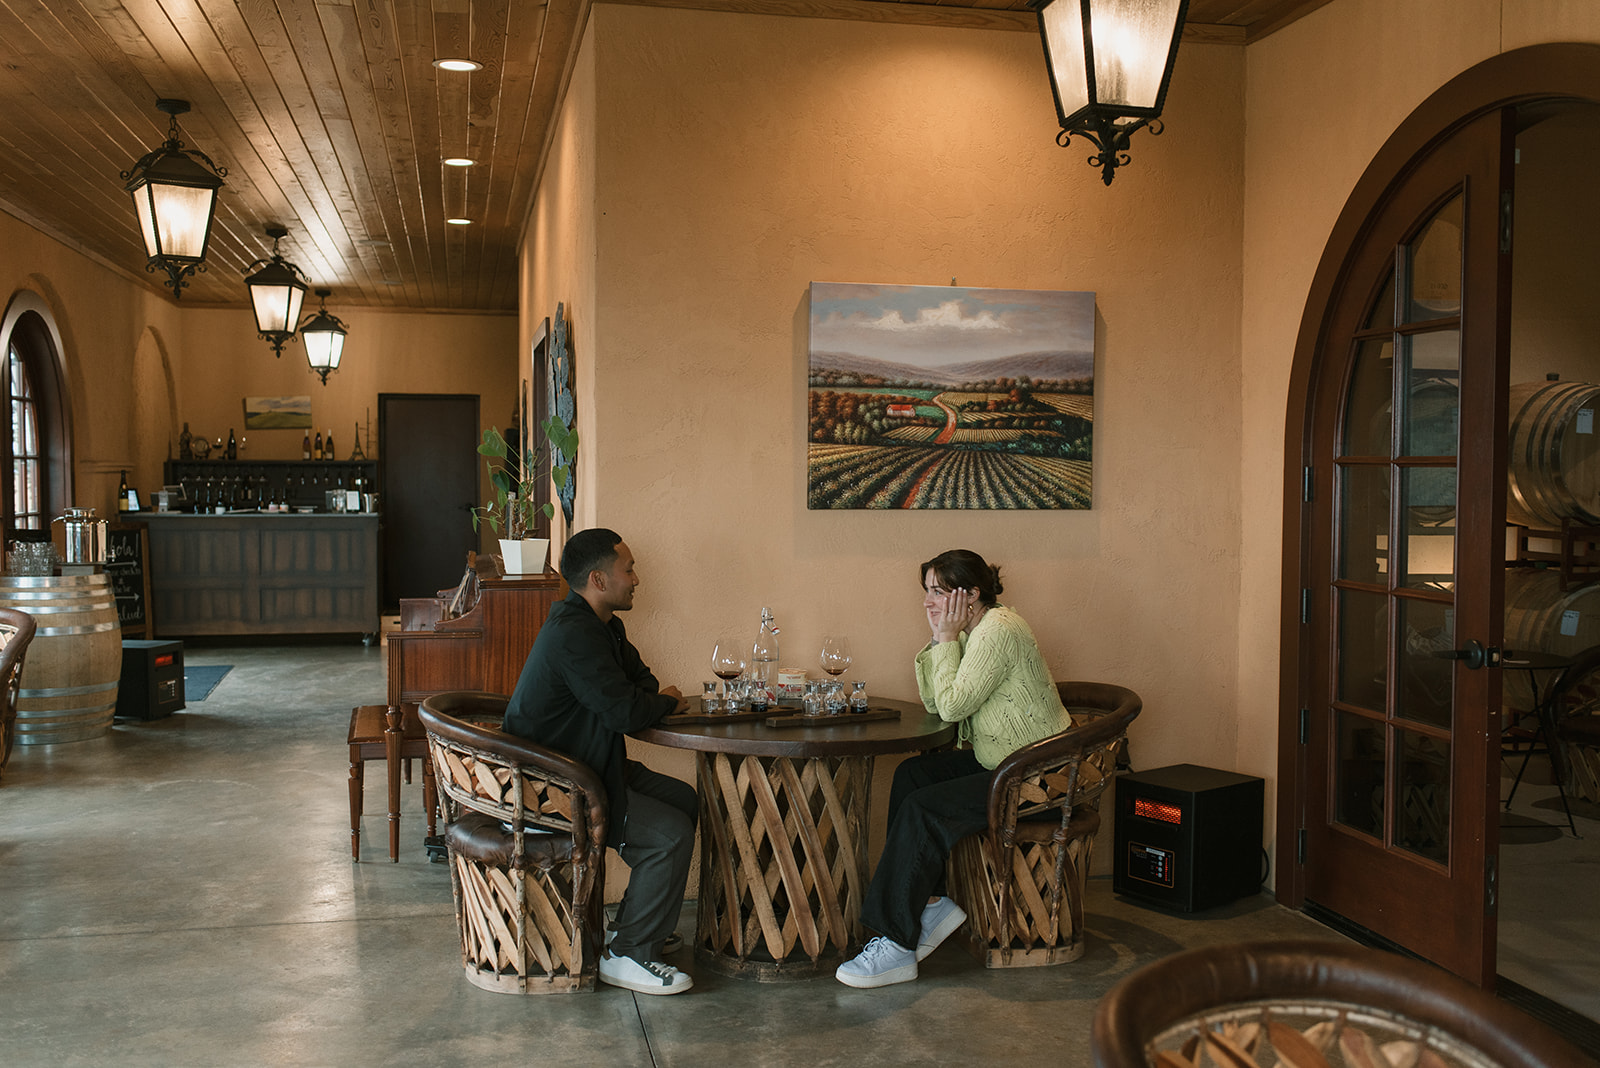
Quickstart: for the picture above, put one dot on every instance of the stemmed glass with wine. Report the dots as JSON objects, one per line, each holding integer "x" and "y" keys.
{"x": 835, "y": 661}
{"x": 728, "y": 663}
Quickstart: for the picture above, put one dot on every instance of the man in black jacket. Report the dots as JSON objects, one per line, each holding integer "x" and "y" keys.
{"x": 582, "y": 689}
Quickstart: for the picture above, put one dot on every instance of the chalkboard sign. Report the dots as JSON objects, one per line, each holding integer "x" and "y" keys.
{"x": 127, "y": 568}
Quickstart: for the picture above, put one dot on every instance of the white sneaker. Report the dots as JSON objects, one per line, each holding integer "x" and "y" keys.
{"x": 939, "y": 921}
{"x": 651, "y": 978}
{"x": 881, "y": 962}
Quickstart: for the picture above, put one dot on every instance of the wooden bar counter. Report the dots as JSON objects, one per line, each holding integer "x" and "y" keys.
{"x": 263, "y": 573}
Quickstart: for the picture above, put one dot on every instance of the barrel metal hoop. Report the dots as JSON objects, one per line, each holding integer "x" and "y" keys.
{"x": 65, "y": 691}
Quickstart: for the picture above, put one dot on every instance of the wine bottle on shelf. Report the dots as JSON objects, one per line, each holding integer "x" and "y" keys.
{"x": 122, "y": 493}
{"x": 305, "y": 447}
{"x": 233, "y": 445}
{"x": 316, "y": 449}
{"x": 327, "y": 446}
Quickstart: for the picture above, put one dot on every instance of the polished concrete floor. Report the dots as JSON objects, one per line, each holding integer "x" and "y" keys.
{"x": 180, "y": 892}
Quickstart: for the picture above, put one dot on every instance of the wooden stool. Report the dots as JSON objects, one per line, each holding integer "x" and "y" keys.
{"x": 392, "y": 733}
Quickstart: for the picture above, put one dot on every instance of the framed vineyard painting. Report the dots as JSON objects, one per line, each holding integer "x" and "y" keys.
{"x": 946, "y": 397}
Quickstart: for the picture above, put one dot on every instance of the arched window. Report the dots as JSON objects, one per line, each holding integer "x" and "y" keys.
{"x": 35, "y": 470}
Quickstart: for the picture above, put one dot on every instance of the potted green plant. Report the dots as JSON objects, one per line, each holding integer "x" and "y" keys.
{"x": 513, "y": 472}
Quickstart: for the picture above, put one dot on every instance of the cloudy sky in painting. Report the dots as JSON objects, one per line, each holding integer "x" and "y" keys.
{"x": 934, "y": 326}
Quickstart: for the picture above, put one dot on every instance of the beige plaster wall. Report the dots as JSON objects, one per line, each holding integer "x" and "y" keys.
{"x": 114, "y": 337}
{"x": 739, "y": 158}
{"x": 558, "y": 259}
{"x": 1323, "y": 95}
{"x": 138, "y": 365}
{"x": 219, "y": 361}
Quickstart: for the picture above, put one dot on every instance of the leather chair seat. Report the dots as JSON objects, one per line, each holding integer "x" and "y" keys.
{"x": 485, "y": 839}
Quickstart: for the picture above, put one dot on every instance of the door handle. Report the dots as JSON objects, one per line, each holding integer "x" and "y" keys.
{"x": 1474, "y": 654}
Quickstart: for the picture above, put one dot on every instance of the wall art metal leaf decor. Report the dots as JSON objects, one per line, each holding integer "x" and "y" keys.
{"x": 949, "y": 397}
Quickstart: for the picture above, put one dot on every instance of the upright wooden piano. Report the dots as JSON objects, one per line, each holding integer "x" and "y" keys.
{"x": 481, "y": 649}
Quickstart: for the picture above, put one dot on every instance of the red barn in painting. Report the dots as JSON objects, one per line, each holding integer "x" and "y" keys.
{"x": 904, "y": 411}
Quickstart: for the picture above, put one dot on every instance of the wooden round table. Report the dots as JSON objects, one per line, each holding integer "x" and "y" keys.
{"x": 783, "y": 834}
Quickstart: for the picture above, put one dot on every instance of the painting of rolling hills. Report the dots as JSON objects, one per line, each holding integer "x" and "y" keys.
{"x": 949, "y": 397}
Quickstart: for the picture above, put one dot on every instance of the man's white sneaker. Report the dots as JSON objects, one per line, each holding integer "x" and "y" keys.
{"x": 881, "y": 962}
{"x": 651, "y": 978}
{"x": 939, "y": 921}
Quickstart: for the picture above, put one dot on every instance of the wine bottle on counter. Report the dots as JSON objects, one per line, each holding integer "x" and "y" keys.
{"x": 122, "y": 493}
{"x": 305, "y": 447}
{"x": 316, "y": 449}
{"x": 327, "y": 446}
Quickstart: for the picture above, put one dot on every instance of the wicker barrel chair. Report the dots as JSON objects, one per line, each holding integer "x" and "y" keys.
{"x": 529, "y": 899}
{"x": 16, "y": 631}
{"x": 1021, "y": 881}
{"x": 1308, "y": 1003}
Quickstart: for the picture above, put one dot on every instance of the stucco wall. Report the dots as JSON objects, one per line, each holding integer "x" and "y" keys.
{"x": 741, "y": 158}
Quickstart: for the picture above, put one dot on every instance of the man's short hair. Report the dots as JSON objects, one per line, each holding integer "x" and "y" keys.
{"x": 588, "y": 550}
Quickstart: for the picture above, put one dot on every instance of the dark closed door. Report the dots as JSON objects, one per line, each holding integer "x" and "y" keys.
{"x": 428, "y": 443}
{"x": 1402, "y": 564}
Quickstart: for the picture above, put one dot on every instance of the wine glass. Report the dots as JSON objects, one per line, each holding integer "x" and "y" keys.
{"x": 835, "y": 656}
{"x": 727, "y": 661}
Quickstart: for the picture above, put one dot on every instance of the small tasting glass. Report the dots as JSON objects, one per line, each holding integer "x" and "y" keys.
{"x": 709, "y": 699}
{"x": 812, "y": 701}
{"x": 858, "y": 696}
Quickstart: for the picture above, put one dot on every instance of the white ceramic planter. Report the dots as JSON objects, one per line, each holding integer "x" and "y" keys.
{"x": 525, "y": 557}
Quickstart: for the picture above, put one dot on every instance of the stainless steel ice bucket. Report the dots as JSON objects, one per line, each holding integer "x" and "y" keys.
{"x": 82, "y": 537}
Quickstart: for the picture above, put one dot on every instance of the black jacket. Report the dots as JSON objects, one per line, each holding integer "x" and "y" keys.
{"x": 582, "y": 688}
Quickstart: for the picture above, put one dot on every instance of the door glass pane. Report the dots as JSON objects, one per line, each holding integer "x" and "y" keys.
{"x": 1367, "y": 429}
{"x": 1364, "y": 523}
{"x": 1382, "y": 313}
{"x": 1424, "y": 692}
{"x": 1363, "y": 657}
{"x": 1433, "y": 393}
{"x": 1422, "y": 786}
{"x": 1428, "y": 524}
{"x": 1433, "y": 267}
{"x": 1358, "y": 797}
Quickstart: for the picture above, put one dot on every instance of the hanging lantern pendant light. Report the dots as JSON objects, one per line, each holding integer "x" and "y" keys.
{"x": 174, "y": 193}
{"x": 277, "y": 291}
{"x": 1110, "y": 62}
{"x": 324, "y": 334}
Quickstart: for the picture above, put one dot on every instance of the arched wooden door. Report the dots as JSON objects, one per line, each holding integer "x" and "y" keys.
{"x": 1393, "y": 525}
{"x": 1401, "y": 599}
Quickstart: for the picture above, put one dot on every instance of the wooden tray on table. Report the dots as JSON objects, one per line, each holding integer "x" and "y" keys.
{"x": 842, "y": 720}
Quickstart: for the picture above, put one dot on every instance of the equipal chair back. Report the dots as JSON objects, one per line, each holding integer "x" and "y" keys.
{"x": 528, "y": 898}
{"x": 1021, "y": 881}
{"x": 16, "y": 631}
{"x": 1313, "y": 1005}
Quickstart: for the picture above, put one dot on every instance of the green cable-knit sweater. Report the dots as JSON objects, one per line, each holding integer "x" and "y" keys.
{"x": 994, "y": 683}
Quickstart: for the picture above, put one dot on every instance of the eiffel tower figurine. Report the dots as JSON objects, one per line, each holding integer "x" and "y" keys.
{"x": 358, "y": 454}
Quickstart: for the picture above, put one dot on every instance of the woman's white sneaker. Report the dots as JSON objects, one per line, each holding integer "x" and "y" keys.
{"x": 939, "y": 921}
{"x": 651, "y": 978}
{"x": 881, "y": 962}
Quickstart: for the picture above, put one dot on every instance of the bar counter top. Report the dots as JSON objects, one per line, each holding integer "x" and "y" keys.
{"x": 244, "y": 513}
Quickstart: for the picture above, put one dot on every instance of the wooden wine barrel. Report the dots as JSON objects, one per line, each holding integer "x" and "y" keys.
{"x": 69, "y": 681}
{"x": 1554, "y": 470}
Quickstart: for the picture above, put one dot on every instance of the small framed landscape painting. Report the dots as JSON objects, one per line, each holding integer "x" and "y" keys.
{"x": 946, "y": 397}
{"x": 277, "y": 413}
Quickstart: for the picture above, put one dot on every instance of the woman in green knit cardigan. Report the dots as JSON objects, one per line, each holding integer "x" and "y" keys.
{"x": 982, "y": 670}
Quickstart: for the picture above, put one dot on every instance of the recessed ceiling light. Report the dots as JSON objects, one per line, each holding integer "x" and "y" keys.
{"x": 459, "y": 161}
{"x": 459, "y": 222}
{"x": 458, "y": 64}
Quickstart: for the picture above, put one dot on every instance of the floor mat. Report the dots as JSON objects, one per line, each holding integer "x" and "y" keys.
{"x": 198, "y": 682}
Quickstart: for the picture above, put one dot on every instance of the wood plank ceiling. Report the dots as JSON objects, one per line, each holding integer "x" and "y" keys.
{"x": 332, "y": 121}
